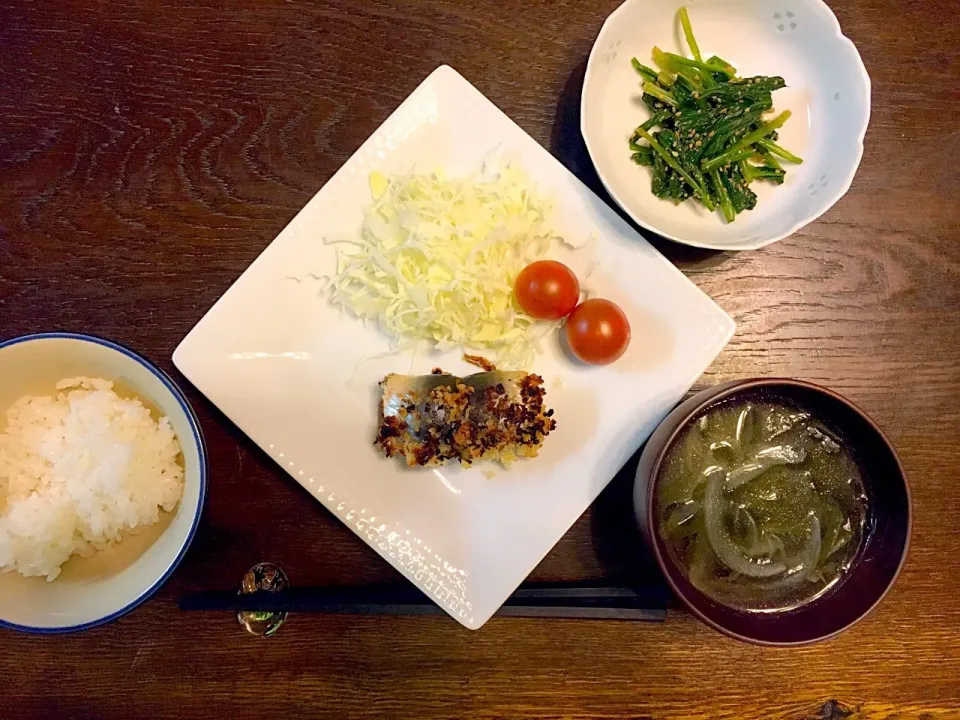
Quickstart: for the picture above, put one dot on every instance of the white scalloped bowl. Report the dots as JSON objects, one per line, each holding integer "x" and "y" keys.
{"x": 828, "y": 91}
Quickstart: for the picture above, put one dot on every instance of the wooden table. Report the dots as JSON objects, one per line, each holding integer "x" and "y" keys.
{"x": 150, "y": 150}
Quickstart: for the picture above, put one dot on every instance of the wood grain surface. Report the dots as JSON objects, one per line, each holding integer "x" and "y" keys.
{"x": 149, "y": 151}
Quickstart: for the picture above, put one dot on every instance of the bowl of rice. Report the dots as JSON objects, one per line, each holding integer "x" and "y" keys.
{"x": 102, "y": 481}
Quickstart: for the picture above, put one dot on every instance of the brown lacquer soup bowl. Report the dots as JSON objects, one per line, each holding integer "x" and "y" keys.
{"x": 870, "y": 570}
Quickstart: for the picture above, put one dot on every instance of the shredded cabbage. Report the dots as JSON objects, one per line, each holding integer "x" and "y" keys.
{"x": 436, "y": 260}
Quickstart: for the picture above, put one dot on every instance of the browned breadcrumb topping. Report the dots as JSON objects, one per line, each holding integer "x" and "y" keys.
{"x": 462, "y": 424}
{"x": 480, "y": 362}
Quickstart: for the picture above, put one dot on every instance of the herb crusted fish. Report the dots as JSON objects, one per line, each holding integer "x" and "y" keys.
{"x": 496, "y": 415}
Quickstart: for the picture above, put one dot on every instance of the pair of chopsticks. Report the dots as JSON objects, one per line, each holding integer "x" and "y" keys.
{"x": 569, "y": 600}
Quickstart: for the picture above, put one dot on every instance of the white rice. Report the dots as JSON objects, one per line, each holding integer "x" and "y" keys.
{"x": 77, "y": 470}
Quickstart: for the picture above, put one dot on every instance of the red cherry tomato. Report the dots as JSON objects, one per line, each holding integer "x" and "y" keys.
{"x": 547, "y": 290}
{"x": 597, "y": 331}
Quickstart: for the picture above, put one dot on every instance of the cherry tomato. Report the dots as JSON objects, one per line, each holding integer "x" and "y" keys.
{"x": 547, "y": 290}
{"x": 597, "y": 331}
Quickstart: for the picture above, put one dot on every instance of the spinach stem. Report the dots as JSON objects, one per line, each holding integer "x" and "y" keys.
{"x": 744, "y": 154}
{"x": 768, "y": 157}
{"x": 659, "y": 93}
{"x": 688, "y": 34}
{"x": 668, "y": 60}
{"x": 666, "y": 79}
{"x": 725, "y": 205}
{"x": 647, "y": 73}
{"x": 748, "y": 139}
{"x": 656, "y": 119}
{"x": 676, "y": 167}
{"x": 777, "y": 150}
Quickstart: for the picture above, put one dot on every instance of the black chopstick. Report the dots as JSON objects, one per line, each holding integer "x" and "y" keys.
{"x": 557, "y": 601}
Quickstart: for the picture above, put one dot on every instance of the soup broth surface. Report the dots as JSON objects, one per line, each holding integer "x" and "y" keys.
{"x": 762, "y": 504}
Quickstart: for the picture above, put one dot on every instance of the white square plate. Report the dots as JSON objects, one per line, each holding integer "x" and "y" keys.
{"x": 300, "y": 378}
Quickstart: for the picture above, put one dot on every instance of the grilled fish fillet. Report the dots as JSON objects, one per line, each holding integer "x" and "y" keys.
{"x": 429, "y": 419}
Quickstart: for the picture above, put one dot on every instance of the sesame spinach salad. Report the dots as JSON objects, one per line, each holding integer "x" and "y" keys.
{"x": 713, "y": 141}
